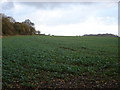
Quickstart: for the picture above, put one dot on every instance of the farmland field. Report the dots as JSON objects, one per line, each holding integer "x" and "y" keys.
{"x": 59, "y": 61}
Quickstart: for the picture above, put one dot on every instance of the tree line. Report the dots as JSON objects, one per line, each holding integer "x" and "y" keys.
{"x": 11, "y": 27}
{"x": 107, "y": 35}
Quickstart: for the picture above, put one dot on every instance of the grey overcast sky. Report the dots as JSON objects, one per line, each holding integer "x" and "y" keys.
{"x": 65, "y": 18}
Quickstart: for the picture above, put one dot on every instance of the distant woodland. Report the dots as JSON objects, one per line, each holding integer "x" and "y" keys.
{"x": 105, "y": 35}
{"x": 11, "y": 27}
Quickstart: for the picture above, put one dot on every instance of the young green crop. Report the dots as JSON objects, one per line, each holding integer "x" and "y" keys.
{"x": 29, "y": 60}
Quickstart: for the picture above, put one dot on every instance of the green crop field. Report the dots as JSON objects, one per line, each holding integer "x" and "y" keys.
{"x": 59, "y": 61}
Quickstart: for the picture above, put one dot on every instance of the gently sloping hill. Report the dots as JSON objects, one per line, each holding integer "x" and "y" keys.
{"x": 42, "y": 61}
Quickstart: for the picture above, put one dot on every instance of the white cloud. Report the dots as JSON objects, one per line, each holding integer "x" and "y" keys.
{"x": 91, "y": 26}
{"x": 70, "y": 19}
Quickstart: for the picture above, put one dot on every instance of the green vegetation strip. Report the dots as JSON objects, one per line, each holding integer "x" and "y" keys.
{"x": 29, "y": 60}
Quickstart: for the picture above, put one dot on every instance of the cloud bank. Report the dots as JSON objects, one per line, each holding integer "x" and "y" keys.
{"x": 68, "y": 19}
